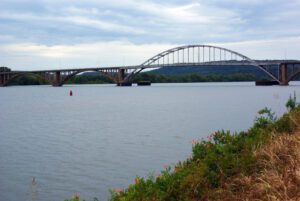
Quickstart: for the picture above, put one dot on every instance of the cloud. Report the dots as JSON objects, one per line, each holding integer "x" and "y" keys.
{"x": 115, "y": 53}
{"x": 196, "y": 13}
{"x": 81, "y": 11}
{"x": 6, "y": 38}
{"x": 281, "y": 48}
{"x": 98, "y": 24}
{"x": 154, "y": 20}
{"x": 28, "y": 56}
{"x": 78, "y": 31}
{"x": 93, "y": 23}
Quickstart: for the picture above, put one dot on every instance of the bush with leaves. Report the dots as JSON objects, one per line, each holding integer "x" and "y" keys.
{"x": 291, "y": 103}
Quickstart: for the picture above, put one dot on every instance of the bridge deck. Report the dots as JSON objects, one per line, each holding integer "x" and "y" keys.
{"x": 115, "y": 68}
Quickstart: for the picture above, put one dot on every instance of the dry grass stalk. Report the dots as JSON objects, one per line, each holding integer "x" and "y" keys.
{"x": 280, "y": 177}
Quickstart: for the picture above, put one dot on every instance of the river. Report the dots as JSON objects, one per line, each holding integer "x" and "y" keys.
{"x": 103, "y": 136}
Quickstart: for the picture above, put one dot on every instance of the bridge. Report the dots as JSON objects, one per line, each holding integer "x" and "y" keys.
{"x": 189, "y": 55}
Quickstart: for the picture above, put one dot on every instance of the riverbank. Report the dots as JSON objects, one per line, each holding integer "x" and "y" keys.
{"x": 260, "y": 163}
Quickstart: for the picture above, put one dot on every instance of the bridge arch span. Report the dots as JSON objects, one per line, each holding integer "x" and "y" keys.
{"x": 14, "y": 76}
{"x": 196, "y": 55}
{"x": 293, "y": 75}
{"x": 51, "y": 78}
{"x": 204, "y": 54}
{"x": 69, "y": 76}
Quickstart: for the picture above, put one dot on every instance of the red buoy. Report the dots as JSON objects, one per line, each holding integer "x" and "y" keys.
{"x": 71, "y": 93}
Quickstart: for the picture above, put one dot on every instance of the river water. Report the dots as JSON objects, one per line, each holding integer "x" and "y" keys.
{"x": 103, "y": 136}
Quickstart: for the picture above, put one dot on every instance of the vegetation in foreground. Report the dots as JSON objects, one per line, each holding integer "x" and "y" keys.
{"x": 262, "y": 163}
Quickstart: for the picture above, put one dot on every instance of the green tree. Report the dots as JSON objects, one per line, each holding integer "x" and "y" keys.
{"x": 4, "y": 69}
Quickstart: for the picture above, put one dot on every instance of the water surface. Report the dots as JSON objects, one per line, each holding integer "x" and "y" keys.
{"x": 103, "y": 136}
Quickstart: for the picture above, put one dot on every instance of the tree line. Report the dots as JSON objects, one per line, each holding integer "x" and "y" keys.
{"x": 4, "y": 69}
{"x": 153, "y": 78}
{"x": 194, "y": 77}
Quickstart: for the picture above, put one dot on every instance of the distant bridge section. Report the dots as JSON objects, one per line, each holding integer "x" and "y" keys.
{"x": 190, "y": 55}
{"x": 59, "y": 76}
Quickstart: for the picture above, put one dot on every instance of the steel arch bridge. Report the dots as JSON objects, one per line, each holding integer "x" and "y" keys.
{"x": 189, "y": 55}
{"x": 198, "y": 55}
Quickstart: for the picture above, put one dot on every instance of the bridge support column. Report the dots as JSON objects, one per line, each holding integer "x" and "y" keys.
{"x": 283, "y": 75}
{"x": 57, "y": 79}
{"x": 121, "y": 77}
{"x": 1, "y": 80}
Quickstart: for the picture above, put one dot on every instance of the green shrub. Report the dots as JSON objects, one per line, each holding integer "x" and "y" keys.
{"x": 291, "y": 103}
{"x": 285, "y": 124}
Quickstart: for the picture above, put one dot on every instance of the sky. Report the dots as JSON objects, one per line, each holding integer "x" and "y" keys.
{"x": 55, "y": 34}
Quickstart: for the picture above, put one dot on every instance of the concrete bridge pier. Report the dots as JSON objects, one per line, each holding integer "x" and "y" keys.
{"x": 121, "y": 77}
{"x": 283, "y": 78}
{"x": 57, "y": 79}
{"x": 1, "y": 80}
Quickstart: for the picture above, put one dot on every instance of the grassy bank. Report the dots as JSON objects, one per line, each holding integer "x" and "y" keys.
{"x": 262, "y": 163}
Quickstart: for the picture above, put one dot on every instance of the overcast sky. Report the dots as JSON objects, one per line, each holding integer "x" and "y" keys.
{"x": 50, "y": 34}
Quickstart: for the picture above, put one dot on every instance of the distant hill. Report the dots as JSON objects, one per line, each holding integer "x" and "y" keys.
{"x": 219, "y": 70}
{"x": 202, "y": 70}
{"x": 89, "y": 74}
{"x": 212, "y": 70}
